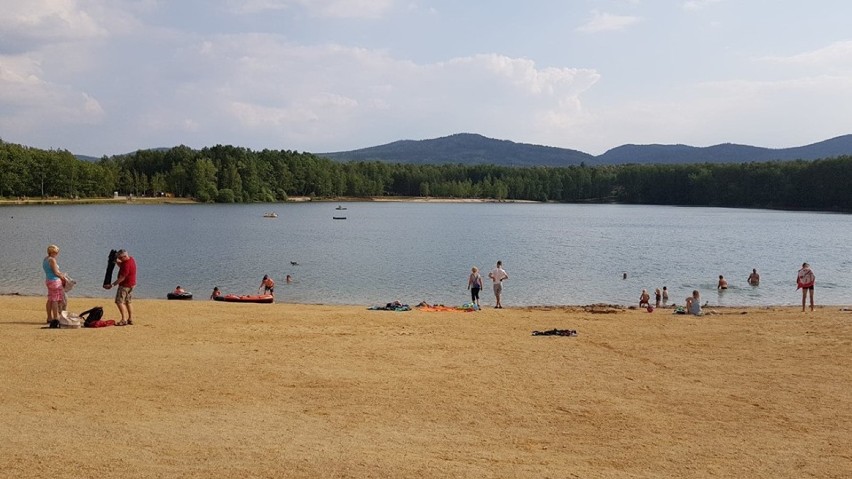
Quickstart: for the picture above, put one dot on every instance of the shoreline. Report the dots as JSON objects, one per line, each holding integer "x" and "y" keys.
{"x": 626, "y": 307}
{"x": 292, "y": 199}
{"x": 205, "y": 389}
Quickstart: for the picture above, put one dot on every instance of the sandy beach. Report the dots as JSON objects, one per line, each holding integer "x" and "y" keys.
{"x": 200, "y": 389}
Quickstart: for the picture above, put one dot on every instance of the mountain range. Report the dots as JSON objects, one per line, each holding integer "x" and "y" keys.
{"x": 472, "y": 149}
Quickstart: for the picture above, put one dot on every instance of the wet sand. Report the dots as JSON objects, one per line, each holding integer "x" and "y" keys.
{"x": 200, "y": 389}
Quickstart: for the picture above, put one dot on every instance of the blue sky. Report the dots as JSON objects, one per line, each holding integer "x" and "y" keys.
{"x": 100, "y": 77}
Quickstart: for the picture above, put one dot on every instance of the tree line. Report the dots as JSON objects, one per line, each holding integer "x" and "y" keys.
{"x": 229, "y": 174}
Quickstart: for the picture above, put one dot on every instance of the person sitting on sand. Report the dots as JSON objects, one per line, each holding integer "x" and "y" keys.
{"x": 216, "y": 293}
{"x": 693, "y": 303}
{"x": 754, "y": 278}
{"x": 723, "y": 283}
{"x": 644, "y": 299}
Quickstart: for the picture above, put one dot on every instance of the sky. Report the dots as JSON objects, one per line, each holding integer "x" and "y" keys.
{"x": 107, "y": 77}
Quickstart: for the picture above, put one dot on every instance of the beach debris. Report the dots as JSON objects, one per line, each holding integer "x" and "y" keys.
{"x": 556, "y": 332}
{"x": 601, "y": 308}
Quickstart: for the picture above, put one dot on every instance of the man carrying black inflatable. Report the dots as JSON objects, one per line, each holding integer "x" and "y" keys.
{"x": 126, "y": 282}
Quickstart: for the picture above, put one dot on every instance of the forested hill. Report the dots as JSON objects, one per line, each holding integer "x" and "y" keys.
{"x": 465, "y": 149}
{"x": 472, "y": 149}
{"x": 724, "y": 153}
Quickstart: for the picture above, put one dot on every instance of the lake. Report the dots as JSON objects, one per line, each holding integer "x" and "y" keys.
{"x": 555, "y": 254}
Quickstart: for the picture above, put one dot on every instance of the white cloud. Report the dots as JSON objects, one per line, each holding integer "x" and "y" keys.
{"x": 29, "y": 102}
{"x": 605, "y": 22}
{"x": 836, "y": 56}
{"x": 699, "y": 4}
{"x": 25, "y": 25}
{"x": 760, "y": 113}
{"x": 321, "y": 8}
{"x": 322, "y": 96}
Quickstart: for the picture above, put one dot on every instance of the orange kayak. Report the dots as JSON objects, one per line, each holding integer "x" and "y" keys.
{"x": 247, "y": 298}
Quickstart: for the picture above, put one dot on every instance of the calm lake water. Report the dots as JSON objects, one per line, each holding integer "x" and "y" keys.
{"x": 554, "y": 254}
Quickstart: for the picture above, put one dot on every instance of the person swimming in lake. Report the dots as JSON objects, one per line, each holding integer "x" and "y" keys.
{"x": 723, "y": 283}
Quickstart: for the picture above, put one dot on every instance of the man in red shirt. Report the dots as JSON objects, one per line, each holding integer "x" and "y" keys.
{"x": 126, "y": 282}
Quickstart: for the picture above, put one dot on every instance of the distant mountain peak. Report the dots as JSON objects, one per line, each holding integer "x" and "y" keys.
{"x": 473, "y": 149}
{"x": 465, "y": 148}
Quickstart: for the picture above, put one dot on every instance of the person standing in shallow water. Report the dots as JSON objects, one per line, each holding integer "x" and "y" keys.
{"x": 267, "y": 285}
{"x": 474, "y": 284}
{"x": 805, "y": 281}
{"x": 644, "y": 299}
{"x": 754, "y": 278}
{"x": 497, "y": 275}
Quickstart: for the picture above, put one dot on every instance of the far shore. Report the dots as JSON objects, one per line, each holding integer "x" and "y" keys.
{"x": 293, "y": 199}
{"x": 203, "y": 389}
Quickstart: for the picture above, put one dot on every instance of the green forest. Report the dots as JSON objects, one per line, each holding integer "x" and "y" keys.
{"x": 229, "y": 174}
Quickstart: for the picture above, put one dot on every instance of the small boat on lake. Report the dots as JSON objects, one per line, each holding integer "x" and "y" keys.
{"x": 340, "y": 207}
{"x": 270, "y": 215}
{"x": 338, "y": 217}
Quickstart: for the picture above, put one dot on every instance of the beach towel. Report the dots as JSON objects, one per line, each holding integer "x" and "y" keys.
{"x": 556, "y": 332}
{"x": 393, "y": 306}
{"x": 100, "y": 324}
{"x": 805, "y": 278}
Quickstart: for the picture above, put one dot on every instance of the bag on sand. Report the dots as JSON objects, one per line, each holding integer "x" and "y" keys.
{"x": 92, "y": 315}
{"x": 70, "y": 320}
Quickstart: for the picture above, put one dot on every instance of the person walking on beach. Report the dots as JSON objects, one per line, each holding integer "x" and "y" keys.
{"x": 497, "y": 276}
{"x": 665, "y": 295}
{"x": 267, "y": 285}
{"x": 805, "y": 280}
{"x": 754, "y": 278}
{"x": 658, "y": 297}
{"x": 126, "y": 282}
{"x": 474, "y": 284}
{"x": 53, "y": 279}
